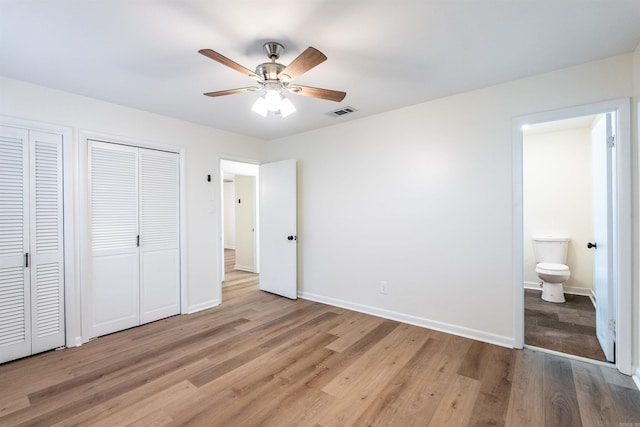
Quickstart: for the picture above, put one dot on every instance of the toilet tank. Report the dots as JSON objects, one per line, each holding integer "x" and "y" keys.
{"x": 550, "y": 249}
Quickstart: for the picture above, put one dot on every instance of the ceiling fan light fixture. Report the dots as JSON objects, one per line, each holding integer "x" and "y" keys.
{"x": 274, "y": 78}
{"x": 287, "y": 107}
{"x": 260, "y": 107}
{"x": 272, "y": 100}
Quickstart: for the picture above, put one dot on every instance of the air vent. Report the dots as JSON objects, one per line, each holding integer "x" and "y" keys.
{"x": 342, "y": 112}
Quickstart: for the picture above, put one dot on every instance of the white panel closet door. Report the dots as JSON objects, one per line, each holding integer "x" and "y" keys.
{"x": 15, "y": 306}
{"x": 113, "y": 201}
{"x": 31, "y": 243}
{"x": 159, "y": 235}
{"x": 47, "y": 255}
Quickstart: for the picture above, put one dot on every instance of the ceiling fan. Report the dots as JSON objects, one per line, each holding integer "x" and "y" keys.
{"x": 275, "y": 79}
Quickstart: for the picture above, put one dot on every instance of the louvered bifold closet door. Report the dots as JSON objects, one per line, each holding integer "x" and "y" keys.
{"x": 47, "y": 256}
{"x": 15, "y": 307}
{"x": 159, "y": 235}
{"x": 114, "y": 290}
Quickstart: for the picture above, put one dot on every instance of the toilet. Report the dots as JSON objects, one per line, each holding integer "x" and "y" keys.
{"x": 551, "y": 257}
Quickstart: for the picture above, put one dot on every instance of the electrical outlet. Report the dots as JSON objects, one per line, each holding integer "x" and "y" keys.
{"x": 384, "y": 288}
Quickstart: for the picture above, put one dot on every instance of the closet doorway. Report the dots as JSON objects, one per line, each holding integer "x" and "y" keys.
{"x": 132, "y": 273}
{"x": 36, "y": 244}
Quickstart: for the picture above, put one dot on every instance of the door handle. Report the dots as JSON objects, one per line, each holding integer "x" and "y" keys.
{"x": 292, "y": 237}
{"x": 592, "y": 245}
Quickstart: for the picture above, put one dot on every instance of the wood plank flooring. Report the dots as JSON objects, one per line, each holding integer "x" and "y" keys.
{"x": 262, "y": 360}
{"x": 569, "y": 327}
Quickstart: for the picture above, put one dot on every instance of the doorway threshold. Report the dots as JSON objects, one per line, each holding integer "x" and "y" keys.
{"x": 571, "y": 356}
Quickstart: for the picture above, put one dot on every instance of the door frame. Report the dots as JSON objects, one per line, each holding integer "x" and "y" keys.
{"x": 71, "y": 286}
{"x": 622, "y": 218}
{"x": 82, "y": 189}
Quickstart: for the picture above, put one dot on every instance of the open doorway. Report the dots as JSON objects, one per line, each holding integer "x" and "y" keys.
{"x": 616, "y": 301}
{"x": 271, "y": 225}
{"x": 239, "y": 228}
{"x": 562, "y": 179}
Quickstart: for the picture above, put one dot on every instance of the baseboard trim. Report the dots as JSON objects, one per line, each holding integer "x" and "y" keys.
{"x": 573, "y": 290}
{"x": 244, "y": 268}
{"x": 536, "y": 286}
{"x": 577, "y": 291}
{"x": 202, "y": 306}
{"x": 412, "y": 320}
{"x": 636, "y": 377}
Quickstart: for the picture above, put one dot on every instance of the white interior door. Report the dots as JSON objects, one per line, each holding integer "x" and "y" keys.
{"x": 159, "y": 235}
{"x": 47, "y": 254}
{"x": 15, "y": 305}
{"x": 278, "y": 223}
{"x": 113, "y": 201}
{"x": 31, "y": 243}
{"x": 601, "y": 150}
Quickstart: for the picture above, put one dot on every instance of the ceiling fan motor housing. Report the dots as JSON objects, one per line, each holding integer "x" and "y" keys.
{"x": 269, "y": 70}
{"x": 274, "y": 50}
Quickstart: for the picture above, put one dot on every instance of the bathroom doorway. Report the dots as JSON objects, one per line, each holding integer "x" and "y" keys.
{"x": 558, "y": 189}
{"x": 554, "y": 195}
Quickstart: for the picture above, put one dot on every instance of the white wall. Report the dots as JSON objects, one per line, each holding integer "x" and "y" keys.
{"x": 203, "y": 147}
{"x": 421, "y": 197}
{"x": 229, "y": 206}
{"x": 557, "y": 200}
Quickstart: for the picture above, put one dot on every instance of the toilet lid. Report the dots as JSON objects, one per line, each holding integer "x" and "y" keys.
{"x": 549, "y": 266}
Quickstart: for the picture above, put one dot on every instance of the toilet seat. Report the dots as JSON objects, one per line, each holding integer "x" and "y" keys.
{"x": 551, "y": 268}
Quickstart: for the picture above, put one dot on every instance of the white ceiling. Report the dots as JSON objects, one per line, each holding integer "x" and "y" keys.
{"x": 581, "y": 122}
{"x": 386, "y": 54}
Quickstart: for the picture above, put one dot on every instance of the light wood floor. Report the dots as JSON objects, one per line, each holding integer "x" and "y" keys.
{"x": 262, "y": 360}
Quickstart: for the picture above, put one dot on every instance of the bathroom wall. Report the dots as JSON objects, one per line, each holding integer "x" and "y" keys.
{"x": 558, "y": 201}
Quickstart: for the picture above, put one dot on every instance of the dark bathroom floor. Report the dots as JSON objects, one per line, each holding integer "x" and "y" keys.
{"x": 569, "y": 327}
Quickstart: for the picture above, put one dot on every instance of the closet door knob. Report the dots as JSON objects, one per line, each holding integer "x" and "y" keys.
{"x": 592, "y": 245}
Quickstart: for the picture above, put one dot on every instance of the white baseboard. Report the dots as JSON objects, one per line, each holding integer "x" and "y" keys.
{"x": 573, "y": 290}
{"x": 636, "y": 377}
{"x": 533, "y": 285}
{"x": 244, "y": 268}
{"x": 413, "y": 320}
{"x": 202, "y": 306}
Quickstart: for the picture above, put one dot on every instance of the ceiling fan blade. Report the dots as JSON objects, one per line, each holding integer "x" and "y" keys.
{"x": 229, "y": 63}
{"x": 231, "y": 91}
{"x": 314, "y": 92}
{"x": 303, "y": 63}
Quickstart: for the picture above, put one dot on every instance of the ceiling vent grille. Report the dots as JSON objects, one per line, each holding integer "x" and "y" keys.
{"x": 342, "y": 112}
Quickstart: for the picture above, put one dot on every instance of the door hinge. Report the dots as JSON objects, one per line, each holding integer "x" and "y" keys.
{"x": 612, "y": 325}
{"x": 611, "y": 141}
